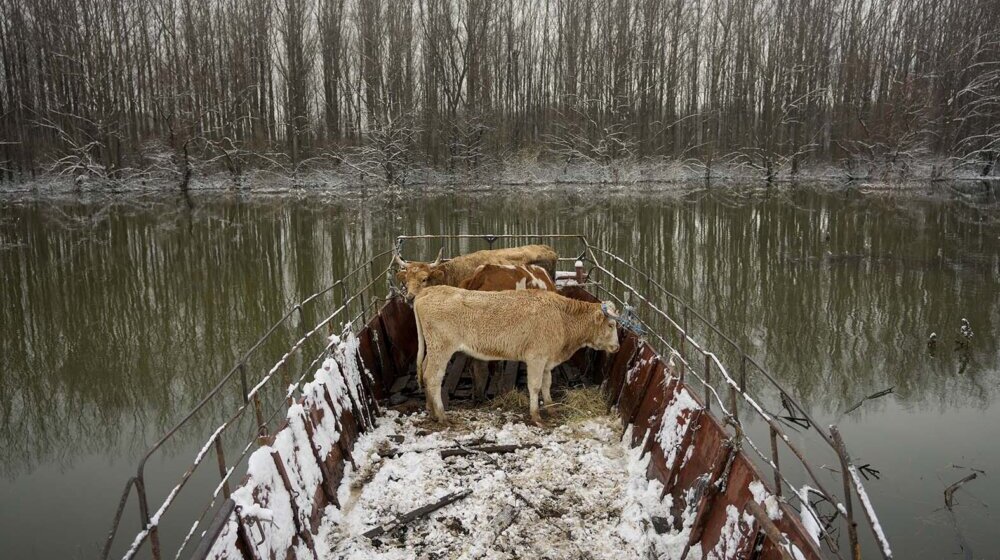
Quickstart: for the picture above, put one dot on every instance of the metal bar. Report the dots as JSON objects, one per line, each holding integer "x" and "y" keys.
{"x": 243, "y": 382}
{"x": 851, "y": 471}
{"x": 118, "y": 517}
{"x": 220, "y": 455}
{"x": 214, "y": 530}
{"x": 743, "y": 373}
{"x": 144, "y": 518}
{"x": 708, "y": 382}
{"x": 774, "y": 460}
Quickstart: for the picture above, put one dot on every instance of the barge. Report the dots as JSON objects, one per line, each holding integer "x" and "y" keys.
{"x": 341, "y": 404}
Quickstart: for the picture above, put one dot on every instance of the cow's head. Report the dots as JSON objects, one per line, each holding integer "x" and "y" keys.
{"x": 415, "y": 276}
{"x": 606, "y": 329}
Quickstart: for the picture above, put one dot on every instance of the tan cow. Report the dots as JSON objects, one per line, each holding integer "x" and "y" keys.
{"x": 417, "y": 275}
{"x": 542, "y": 329}
{"x": 497, "y": 278}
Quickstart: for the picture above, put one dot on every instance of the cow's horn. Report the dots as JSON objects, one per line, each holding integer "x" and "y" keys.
{"x": 609, "y": 310}
{"x": 398, "y": 260}
{"x": 440, "y": 256}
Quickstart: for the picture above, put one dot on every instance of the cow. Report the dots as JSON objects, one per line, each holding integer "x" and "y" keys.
{"x": 499, "y": 277}
{"x": 496, "y": 278}
{"x": 541, "y": 328}
{"x": 416, "y": 276}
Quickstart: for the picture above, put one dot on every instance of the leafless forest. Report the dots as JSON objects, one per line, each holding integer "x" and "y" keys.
{"x": 126, "y": 88}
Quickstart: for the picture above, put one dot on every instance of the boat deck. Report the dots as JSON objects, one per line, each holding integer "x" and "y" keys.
{"x": 568, "y": 491}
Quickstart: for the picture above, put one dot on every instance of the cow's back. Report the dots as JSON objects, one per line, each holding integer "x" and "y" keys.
{"x": 500, "y": 324}
{"x": 497, "y": 277}
{"x": 463, "y": 267}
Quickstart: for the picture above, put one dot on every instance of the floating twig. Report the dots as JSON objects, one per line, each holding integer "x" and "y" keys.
{"x": 870, "y": 397}
{"x": 949, "y": 496}
{"x": 868, "y": 472}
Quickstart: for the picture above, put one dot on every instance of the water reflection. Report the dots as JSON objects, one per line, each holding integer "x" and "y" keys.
{"x": 116, "y": 317}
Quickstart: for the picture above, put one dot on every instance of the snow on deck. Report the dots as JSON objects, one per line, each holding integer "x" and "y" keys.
{"x": 582, "y": 494}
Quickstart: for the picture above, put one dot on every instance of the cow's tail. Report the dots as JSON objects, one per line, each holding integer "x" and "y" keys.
{"x": 420, "y": 348}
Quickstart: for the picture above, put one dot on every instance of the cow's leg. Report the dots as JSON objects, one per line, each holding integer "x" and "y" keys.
{"x": 480, "y": 373}
{"x": 536, "y": 375}
{"x": 434, "y": 371}
{"x": 547, "y": 386}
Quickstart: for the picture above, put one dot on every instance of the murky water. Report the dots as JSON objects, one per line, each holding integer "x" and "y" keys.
{"x": 115, "y": 318}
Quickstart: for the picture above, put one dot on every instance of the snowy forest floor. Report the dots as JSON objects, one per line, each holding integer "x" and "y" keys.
{"x": 581, "y": 493}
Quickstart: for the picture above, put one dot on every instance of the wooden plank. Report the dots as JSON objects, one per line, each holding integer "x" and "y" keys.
{"x": 451, "y": 377}
{"x": 494, "y": 372}
{"x": 508, "y": 377}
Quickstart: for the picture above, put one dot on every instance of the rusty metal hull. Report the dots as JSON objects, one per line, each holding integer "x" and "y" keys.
{"x": 702, "y": 471}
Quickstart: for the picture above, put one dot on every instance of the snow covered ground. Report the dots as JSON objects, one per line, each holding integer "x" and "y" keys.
{"x": 582, "y": 493}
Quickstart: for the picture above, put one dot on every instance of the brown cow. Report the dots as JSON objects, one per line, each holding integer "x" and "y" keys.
{"x": 542, "y": 329}
{"x": 417, "y": 275}
{"x": 497, "y": 278}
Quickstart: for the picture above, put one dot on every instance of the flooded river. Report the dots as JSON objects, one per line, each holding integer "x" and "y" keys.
{"x": 116, "y": 317}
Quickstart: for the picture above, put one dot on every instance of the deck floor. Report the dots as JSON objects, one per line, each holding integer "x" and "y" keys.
{"x": 580, "y": 494}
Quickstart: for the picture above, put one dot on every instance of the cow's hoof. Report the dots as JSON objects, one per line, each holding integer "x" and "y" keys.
{"x": 537, "y": 421}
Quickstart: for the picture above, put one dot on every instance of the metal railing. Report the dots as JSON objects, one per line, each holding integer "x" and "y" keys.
{"x": 684, "y": 345}
{"x": 353, "y": 307}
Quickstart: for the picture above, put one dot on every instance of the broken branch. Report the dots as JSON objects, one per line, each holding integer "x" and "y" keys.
{"x": 416, "y": 514}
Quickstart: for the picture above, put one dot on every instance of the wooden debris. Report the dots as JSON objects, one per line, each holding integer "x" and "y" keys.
{"x": 949, "y": 497}
{"x": 495, "y": 449}
{"x": 503, "y": 520}
{"x": 870, "y": 397}
{"x": 411, "y": 516}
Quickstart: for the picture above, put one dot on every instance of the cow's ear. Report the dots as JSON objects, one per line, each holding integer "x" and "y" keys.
{"x": 401, "y": 277}
{"x": 437, "y": 274}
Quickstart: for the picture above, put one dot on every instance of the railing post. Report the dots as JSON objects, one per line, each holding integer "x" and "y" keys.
{"x": 852, "y": 526}
{"x": 774, "y": 459}
{"x": 743, "y": 373}
{"x": 684, "y": 335}
{"x": 221, "y": 456}
{"x": 708, "y": 383}
{"x": 154, "y": 538}
{"x": 733, "y": 404}
{"x": 286, "y": 380}
{"x": 258, "y": 413}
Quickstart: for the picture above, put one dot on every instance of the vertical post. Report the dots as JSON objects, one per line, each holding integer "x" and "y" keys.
{"x": 578, "y": 265}
{"x": 343, "y": 298}
{"x": 221, "y": 456}
{"x": 733, "y": 404}
{"x": 852, "y": 526}
{"x": 774, "y": 459}
{"x": 243, "y": 382}
{"x": 154, "y": 538}
{"x": 256, "y": 400}
{"x": 684, "y": 333}
{"x": 286, "y": 380}
{"x": 743, "y": 373}
{"x": 708, "y": 383}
